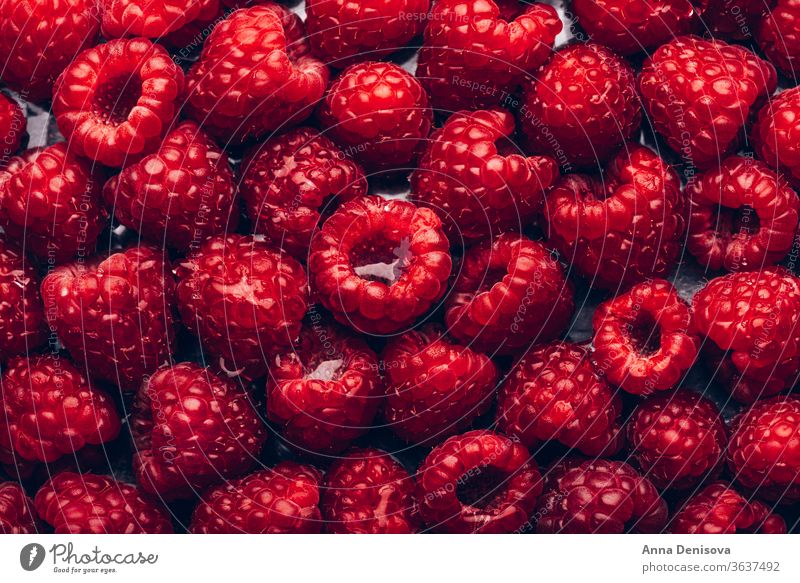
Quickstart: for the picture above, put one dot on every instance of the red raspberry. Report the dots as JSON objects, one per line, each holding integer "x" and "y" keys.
{"x": 255, "y": 75}
{"x": 700, "y": 95}
{"x": 243, "y": 299}
{"x": 325, "y": 392}
{"x": 289, "y": 182}
{"x": 380, "y": 264}
{"x": 475, "y": 180}
{"x": 39, "y": 38}
{"x": 192, "y": 429}
{"x": 779, "y": 37}
{"x": 764, "y": 450}
{"x": 508, "y": 293}
{"x": 477, "y": 52}
{"x": 51, "y": 198}
{"x": 733, "y": 19}
{"x": 622, "y": 227}
{"x": 743, "y": 216}
{"x": 179, "y": 195}
{"x": 581, "y": 106}
{"x": 773, "y": 135}
{"x": 368, "y": 492}
{"x": 22, "y": 327}
{"x": 378, "y": 113}
{"x": 114, "y": 315}
{"x": 643, "y": 338}
{"x": 598, "y": 497}
{"x": 478, "y": 482}
{"x": 16, "y": 515}
{"x": 90, "y": 504}
{"x": 189, "y": 37}
{"x": 283, "y": 500}
{"x": 555, "y": 394}
{"x": 435, "y": 387}
{"x": 12, "y": 127}
{"x": 149, "y": 18}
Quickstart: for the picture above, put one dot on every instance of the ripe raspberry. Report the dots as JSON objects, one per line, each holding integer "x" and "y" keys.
{"x": 733, "y": 19}
{"x": 773, "y": 135}
{"x": 700, "y": 95}
{"x": 283, "y": 500}
{"x": 12, "y": 128}
{"x": 148, "y": 18}
{"x": 599, "y": 497}
{"x": 255, "y": 75}
{"x": 243, "y": 299}
{"x": 289, "y": 182}
{"x": 16, "y": 516}
{"x": 622, "y": 227}
{"x": 192, "y": 429}
{"x": 581, "y": 106}
{"x": 50, "y": 198}
{"x": 115, "y": 315}
{"x": 509, "y": 292}
{"x": 90, "y": 504}
{"x": 39, "y": 38}
{"x": 475, "y": 53}
{"x": 478, "y": 482}
{"x": 368, "y": 492}
{"x": 379, "y": 113}
{"x": 184, "y": 40}
{"x": 380, "y": 264}
{"x": 22, "y": 327}
{"x": 435, "y": 387}
{"x": 779, "y": 37}
{"x": 555, "y": 394}
{"x": 764, "y": 450}
{"x": 474, "y": 179}
{"x": 179, "y": 195}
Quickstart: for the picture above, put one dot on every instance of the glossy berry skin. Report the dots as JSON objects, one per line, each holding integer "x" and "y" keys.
{"x": 733, "y": 19}
{"x": 90, "y": 504}
{"x": 12, "y": 128}
{"x": 280, "y": 500}
{"x": 114, "y": 315}
{"x": 476, "y": 185}
{"x": 773, "y": 135}
{"x": 554, "y": 393}
{"x": 22, "y": 319}
{"x": 623, "y": 227}
{"x": 599, "y": 497}
{"x": 192, "y": 428}
{"x": 39, "y": 38}
{"x": 179, "y": 195}
{"x": 581, "y": 106}
{"x": 778, "y": 35}
{"x": 243, "y": 299}
{"x": 16, "y": 510}
{"x": 477, "y": 482}
{"x": 291, "y": 181}
{"x": 368, "y": 492}
{"x": 476, "y": 52}
{"x": 379, "y": 264}
{"x": 435, "y": 387}
{"x": 378, "y": 113}
{"x": 743, "y": 216}
{"x": 148, "y": 18}
{"x": 643, "y": 339}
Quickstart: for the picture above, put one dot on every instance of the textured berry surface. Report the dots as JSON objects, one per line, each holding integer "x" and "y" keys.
{"x": 147, "y": 18}
{"x": 22, "y": 317}
{"x": 12, "y": 128}
{"x": 733, "y": 19}
{"x": 773, "y": 134}
{"x": 16, "y": 510}
{"x": 779, "y": 37}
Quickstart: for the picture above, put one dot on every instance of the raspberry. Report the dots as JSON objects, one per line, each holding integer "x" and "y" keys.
{"x": 50, "y": 198}
{"x": 773, "y": 135}
{"x": 700, "y": 95}
{"x": 16, "y": 516}
{"x": 192, "y": 34}
{"x": 379, "y": 113}
{"x": 368, "y": 492}
{"x": 581, "y": 106}
{"x": 289, "y": 182}
{"x": 477, "y": 52}
{"x": 643, "y": 338}
{"x": 115, "y": 315}
{"x": 192, "y": 429}
{"x": 764, "y": 449}
{"x": 779, "y": 37}
{"x": 474, "y": 179}
{"x": 508, "y": 293}
{"x": 39, "y": 38}
{"x": 622, "y": 227}
{"x": 733, "y": 19}
{"x": 743, "y": 216}
{"x": 90, "y": 504}
{"x": 599, "y": 497}
{"x": 243, "y": 299}
{"x": 435, "y": 387}
{"x": 555, "y": 394}
{"x": 148, "y": 18}
{"x": 179, "y": 195}
{"x": 283, "y": 500}
{"x": 379, "y": 264}
{"x": 325, "y": 392}
{"x": 22, "y": 327}
{"x": 478, "y": 482}
{"x": 255, "y": 75}
{"x": 12, "y": 128}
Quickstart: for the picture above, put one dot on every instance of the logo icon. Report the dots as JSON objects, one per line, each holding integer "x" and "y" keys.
{"x": 31, "y": 556}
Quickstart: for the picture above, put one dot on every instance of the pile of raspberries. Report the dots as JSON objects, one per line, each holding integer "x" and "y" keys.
{"x": 399, "y": 266}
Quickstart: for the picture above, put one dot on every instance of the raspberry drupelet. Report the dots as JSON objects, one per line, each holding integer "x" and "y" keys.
{"x": 773, "y": 135}
{"x": 149, "y": 18}
{"x": 778, "y": 36}
{"x": 12, "y": 128}
{"x": 16, "y": 510}
{"x": 22, "y": 319}
{"x": 733, "y": 19}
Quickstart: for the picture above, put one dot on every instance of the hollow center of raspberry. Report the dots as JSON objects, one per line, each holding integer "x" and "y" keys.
{"x": 482, "y": 488}
{"x": 116, "y": 97}
{"x": 492, "y": 276}
{"x": 381, "y": 260}
{"x": 645, "y": 334}
{"x": 738, "y": 221}
{"x": 326, "y": 370}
